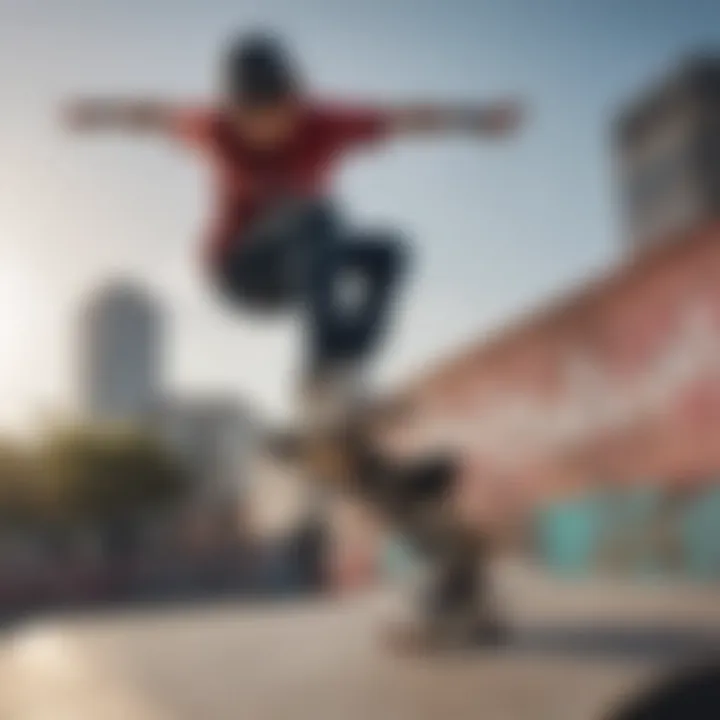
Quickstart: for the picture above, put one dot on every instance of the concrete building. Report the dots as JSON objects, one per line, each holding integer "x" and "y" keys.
{"x": 667, "y": 147}
{"x": 120, "y": 354}
{"x": 120, "y": 381}
{"x": 213, "y": 437}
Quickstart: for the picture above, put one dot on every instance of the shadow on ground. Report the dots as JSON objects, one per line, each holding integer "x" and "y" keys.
{"x": 631, "y": 642}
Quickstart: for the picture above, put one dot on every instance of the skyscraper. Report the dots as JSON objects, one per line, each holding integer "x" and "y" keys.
{"x": 120, "y": 348}
{"x": 668, "y": 151}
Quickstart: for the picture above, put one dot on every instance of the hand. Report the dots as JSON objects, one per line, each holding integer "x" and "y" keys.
{"x": 502, "y": 119}
{"x": 80, "y": 115}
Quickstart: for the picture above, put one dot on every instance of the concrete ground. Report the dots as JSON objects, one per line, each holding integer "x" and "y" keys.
{"x": 576, "y": 650}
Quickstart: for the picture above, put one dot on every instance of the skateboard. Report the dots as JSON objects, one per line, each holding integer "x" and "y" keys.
{"x": 414, "y": 498}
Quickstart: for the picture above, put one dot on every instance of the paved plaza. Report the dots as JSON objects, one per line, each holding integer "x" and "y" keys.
{"x": 576, "y": 649}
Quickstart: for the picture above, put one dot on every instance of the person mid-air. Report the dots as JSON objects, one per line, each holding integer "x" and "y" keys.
{"x": 277, "y": 241}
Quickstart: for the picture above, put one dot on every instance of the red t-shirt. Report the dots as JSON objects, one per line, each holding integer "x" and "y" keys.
{"x": 247, "y": 180}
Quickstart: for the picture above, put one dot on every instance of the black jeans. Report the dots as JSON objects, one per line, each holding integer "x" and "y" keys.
{"x": 303, "y": 258}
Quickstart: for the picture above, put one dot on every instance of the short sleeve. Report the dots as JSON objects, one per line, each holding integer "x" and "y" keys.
{"x": 193, "y": 127}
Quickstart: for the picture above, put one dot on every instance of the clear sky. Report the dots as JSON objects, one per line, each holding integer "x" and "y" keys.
{"x": 497, "y": 228}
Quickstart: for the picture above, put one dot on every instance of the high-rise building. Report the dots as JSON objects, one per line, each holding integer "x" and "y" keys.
{"x": 120, "y": 347}
{"x": 668, "y": 154}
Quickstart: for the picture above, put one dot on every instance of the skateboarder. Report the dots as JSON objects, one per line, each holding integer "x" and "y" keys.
{"x": 277, "y": 241}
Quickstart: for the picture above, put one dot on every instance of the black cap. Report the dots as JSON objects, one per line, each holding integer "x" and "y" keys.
{"x": 259, "y": 70}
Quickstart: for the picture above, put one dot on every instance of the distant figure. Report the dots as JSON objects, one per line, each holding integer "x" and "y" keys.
{"x": 311, "y": 548}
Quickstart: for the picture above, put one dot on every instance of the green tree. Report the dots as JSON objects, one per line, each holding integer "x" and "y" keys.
{"x": 19, "y": 493}
{"x": 97, "y": 476}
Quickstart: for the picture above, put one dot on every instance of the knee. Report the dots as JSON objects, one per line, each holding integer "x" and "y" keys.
{"x": 400, "y": 256}
{"x": 317, "y": 219}
{"x": 393, "y": 254}
{"x": 254, "y": 288}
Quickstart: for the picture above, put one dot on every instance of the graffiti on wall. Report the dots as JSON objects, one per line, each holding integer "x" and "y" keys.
{"x": 627, "y": 385}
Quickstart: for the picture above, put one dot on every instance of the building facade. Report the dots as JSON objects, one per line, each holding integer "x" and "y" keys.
{"x": 667, "y": 147}
{"x": 213, "y": 437}
{"x": 597, "y": 415}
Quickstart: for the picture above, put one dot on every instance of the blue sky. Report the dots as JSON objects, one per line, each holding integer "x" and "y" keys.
{"x": 497, "y": 227}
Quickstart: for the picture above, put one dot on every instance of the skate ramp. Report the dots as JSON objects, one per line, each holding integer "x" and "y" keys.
{"x": 577, "y": 650}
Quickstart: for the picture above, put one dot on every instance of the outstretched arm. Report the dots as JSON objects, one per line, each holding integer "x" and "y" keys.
{"x": 495, "y": 119}
{"x": 142, "y": 116}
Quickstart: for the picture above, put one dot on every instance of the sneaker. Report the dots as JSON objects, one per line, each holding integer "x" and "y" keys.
{"x": 331, "y": 395}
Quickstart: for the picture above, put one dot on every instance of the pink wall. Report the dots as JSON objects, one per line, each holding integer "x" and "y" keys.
{"x": 617, "y": 382}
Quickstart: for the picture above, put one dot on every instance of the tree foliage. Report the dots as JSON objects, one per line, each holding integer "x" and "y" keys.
{"x": 106, "y": 474}
{"x": 19, "y": 496}
{"x": 88, "y": 475}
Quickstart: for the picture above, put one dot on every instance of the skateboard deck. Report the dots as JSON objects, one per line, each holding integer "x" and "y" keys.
{"x": 414, "y": 498}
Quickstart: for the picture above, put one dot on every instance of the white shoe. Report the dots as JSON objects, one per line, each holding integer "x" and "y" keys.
{"x": 331, "y": 397}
